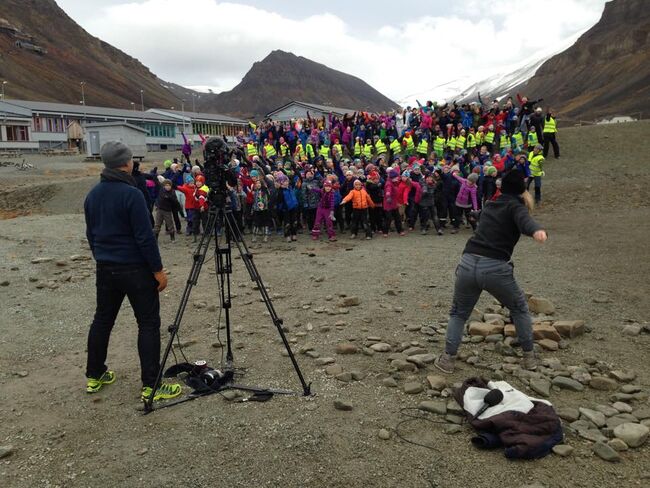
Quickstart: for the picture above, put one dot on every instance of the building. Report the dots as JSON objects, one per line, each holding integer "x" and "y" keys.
{"x": 47, "y": 125}
{"x": 298, "y": 110}
{"x": 99, "y": 133}
{"x": 16, "y": 129}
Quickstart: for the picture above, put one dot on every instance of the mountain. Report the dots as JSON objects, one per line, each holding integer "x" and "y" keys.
{"x": 606, "y": 72}
{"x": 501, "y": 85}
{"x": 45, "y": 56}
{"x": 282, "y": 77}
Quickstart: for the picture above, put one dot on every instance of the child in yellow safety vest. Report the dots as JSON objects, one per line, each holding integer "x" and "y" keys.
{"x": 536, "y": 167}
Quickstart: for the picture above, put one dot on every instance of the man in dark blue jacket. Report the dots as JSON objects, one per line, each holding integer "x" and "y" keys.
{"x": 128, "y": 264}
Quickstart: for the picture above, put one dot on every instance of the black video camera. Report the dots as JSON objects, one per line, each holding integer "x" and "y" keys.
{"x": 217, "y": 173}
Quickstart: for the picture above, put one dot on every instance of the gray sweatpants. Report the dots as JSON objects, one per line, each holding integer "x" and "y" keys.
{"x": 475, "y": 274}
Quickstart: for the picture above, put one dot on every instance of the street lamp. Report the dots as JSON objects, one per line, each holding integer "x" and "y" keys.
{"x": 83, "y": 93}
{"x": 3, "y": 89}
{"x": 183, "y": 112}
{"x": 133, "y": 106}
{"x": 194, "y": 102}
{"x": 142, "y": 103}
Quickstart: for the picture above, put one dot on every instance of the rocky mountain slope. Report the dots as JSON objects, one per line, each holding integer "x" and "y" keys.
{"x": 282, "y": 77}
{"x": 605, "y": 72}
{"x": 44, "y": 55}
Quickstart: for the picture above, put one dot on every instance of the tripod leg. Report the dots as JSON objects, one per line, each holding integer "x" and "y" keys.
{"x": 199, "y": 257}
{"x": 223, "y": 258}
{"x": 247, "y": 258}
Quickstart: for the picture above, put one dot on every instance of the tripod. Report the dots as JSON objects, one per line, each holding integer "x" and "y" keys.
{"x": 223, "y": 258}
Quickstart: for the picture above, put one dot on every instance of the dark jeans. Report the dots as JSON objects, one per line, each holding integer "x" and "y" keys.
{"x": 289, "y": 218}
{"x": 138, "y": 284}
{"x": 428, "y": 213}
{"x": 377, "y": 218}
{"x": 360, "y": 219}
{"x": 538, "y": 187}
{"x": 394, "y": 216}
{"x": 475, "y": 274}
{"x": 310, "y": 215}
{"x": 199, "y": 219}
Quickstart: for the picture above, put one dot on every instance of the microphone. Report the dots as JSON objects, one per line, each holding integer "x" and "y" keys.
{"x": 493, "y": 397}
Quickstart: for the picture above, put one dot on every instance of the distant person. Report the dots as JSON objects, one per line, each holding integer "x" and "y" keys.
{"x": 550, "y": 130}
{"x": 485, "y": 265}
{"x": 128, "y": 265}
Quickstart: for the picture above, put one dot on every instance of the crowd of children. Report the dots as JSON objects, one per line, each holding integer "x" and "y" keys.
{"x": 370, "y": 173}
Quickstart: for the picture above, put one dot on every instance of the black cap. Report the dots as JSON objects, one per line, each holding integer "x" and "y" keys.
{"x": 513, "y": 183}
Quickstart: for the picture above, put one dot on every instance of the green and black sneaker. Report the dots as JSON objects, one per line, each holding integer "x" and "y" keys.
{"x": 95, "y": 384}
{"x": 164, "y": 392}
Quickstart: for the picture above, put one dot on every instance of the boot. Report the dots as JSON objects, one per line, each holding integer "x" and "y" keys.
{"x": 254, "y": 238}
{"x": 529, "y": 361}
{"x": 172, "y": 236}
{"x": 195, "y": 239}
{"x": 266, "y": 234}
{"x": 445, "y": 363}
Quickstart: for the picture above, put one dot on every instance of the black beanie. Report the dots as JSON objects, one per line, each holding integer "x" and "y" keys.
{"x": 513, "y": 183}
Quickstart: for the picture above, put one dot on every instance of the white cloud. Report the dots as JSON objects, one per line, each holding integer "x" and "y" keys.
{"x": 212, "y": 44}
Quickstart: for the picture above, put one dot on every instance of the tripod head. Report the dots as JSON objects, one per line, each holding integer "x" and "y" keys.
{"x": 217, "y": 173}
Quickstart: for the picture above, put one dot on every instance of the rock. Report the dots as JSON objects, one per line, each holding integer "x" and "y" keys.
{"x": 545, "y": 331}
{"x": 389, "y": 382}
{"x": 41, "y": 260}
{"x": 325, "y": 361}
{"x": 143, "y": 451}
{"x": 4, "y": 283}
{"x": 403, "y": 365}
{"x": 541, "y": 305}
{"x": 494, "y": 338}
{"x": 489, "y": 317}
{"x": 603, "y": 384}
{"x": 381, "y": 347}
{"x": 231, "y": 395}
{"x": 567, "y": 383}
{"x": 623, "y": 376}
{"x": 412, "y": 327}
{"x": 454, "y": 408}
{"x": 454, "y": 419}
{"x": 6, "y": 451}
{"x": 437, "y": 407}
{"x": 548, "y": 344}
{"x": 484, "y": 329}
{"x": 437, "y": 382}
{"x": 349, "y": 302}
{"x": 570, "y": 328}
{"x": 595, "y": 417}
{"x": 343, "y": 405}
{"x": 61, "y": 263}
{"x": 605, "y": 452}
{"x": 541, "y": 387}
{"x": 346, "y": 348}
{"x": 333, "y": 370}
{"x": 593, "y": 435}
{"x": 358, "y": 375}
{"x": 421, "y": 360}
{"x": 631, "y": 388}
{"x": 452, "y": 429}
{"x": 622, "y": 407}
{"x": 606, "y": 410}
{"x": 383, "y": 434}
{"x": 620, "y": 419}
{"x": 413, "y": 388}
{"x": 642, "y": 413}
{"x": 618, "y": 444}
{"x": 345, "y": 377}
{"x": 632, "y": 330}
{"x": 415, "y": 350}
{"x": 563, "y": 450}
{"x": 569, "y": 414}
{"x": 634, "y": 435}
{"x": 200, "y": 305}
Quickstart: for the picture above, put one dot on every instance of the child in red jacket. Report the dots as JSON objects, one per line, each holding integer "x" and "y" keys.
{"x": 188, "y": 190}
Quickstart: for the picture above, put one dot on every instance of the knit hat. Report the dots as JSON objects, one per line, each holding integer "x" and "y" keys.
{"x": 513, "y": 183}
{"x": 115, "y": 154}
{"x": 166, "y": 182}
{"x": 327, "y": 183}
{"x": 406, "y": 174}
{"x": 490, "y": 170}
{"x": 254, "y": 173}
{"x": 167, "y": 163}
{"x": 200, "y": 180}
{"x": 472, "y": 178}
{"x": 393, "y": 174}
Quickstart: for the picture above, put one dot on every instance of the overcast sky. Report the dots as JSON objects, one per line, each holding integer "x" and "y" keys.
{"x": 402, "y": 48}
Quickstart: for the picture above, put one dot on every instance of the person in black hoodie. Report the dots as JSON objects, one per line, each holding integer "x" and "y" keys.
{"x": 485, "y": 265}
{"x": 166, "y": 205}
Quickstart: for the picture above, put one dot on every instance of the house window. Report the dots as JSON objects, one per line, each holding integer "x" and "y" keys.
{"x": 17, "y": 133}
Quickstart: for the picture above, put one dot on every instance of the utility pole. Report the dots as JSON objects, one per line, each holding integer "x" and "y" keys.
{"x": 83, "y": 93}
{"x": 183, "y": 112}
{"x": 3, "y": 89}
{"x": 133, "y": 106}
{"x": 142, "y": 103}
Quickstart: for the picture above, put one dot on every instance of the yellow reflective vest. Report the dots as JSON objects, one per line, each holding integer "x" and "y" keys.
{"x": 549, "y": 126}
{"x": 269, "y": 150}
{"x": 380, "y": 147}
{"x": 504, "y": 142}
{"x": 489, "y": 137}
{"x": 460, "y": 142}
{"x": 532, "y": 139}
{"x": 451, "y": 143}
{"x": 423, "y": 147}
{"x": 471, "y": 141}
{"x": 251, "y": 150}
{"x": 395, "y": 147}
{"x": 339, "y": 150}
{"x": 410, "y": 145}
{"x": 519, "y": 139}
{"x": 324, "y": 151}
{"x": 536, "y": 164}
{"x": 284, "y": 149}
{"x": 439, "y": 144}
{"x": 367, "y": 151}
{"x": 357, "y": 149}
{"x": 309, "y": 148}
{"x": 300, "y": 151}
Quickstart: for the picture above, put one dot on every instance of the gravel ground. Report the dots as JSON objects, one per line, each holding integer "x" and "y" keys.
{"x": 594, "y": 267}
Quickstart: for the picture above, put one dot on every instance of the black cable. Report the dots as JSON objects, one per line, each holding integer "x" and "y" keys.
{"x": 412, "y": 418}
